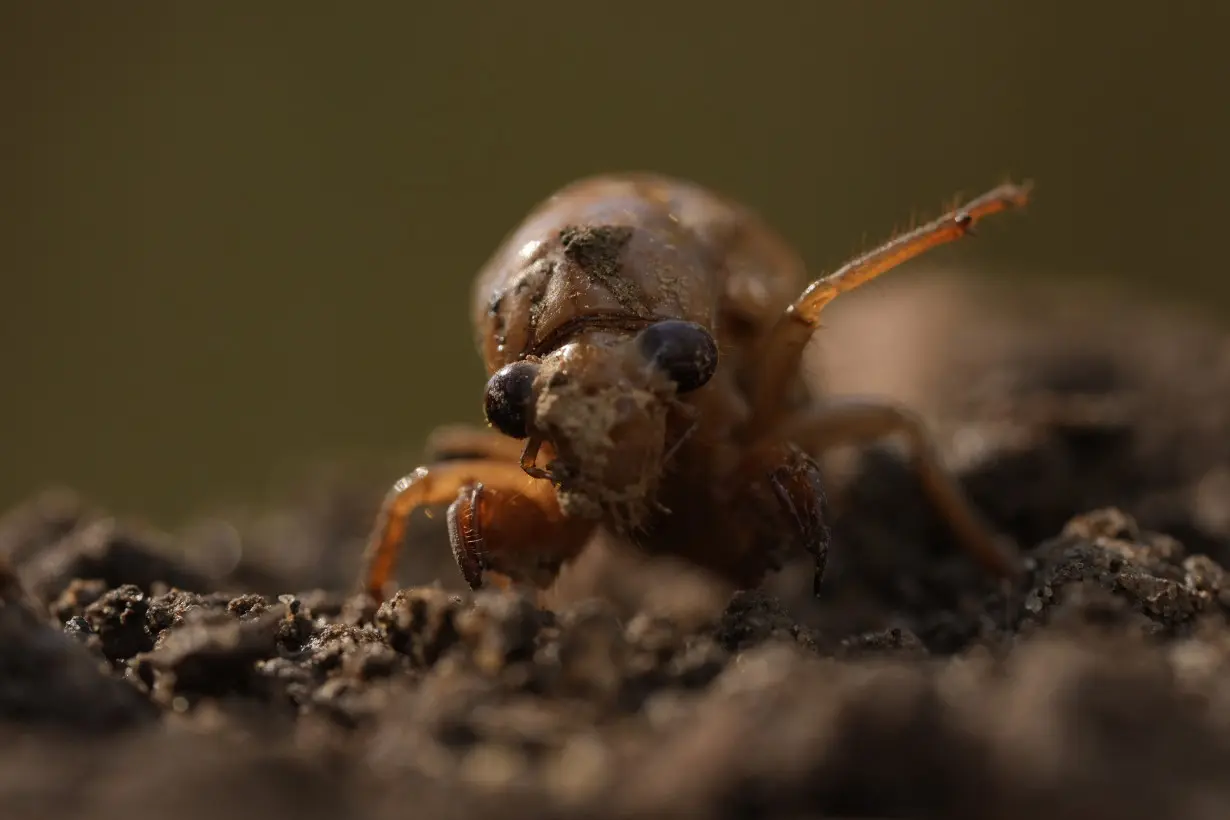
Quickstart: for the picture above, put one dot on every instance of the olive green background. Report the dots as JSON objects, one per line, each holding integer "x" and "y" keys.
{"x": 239, "y": 237}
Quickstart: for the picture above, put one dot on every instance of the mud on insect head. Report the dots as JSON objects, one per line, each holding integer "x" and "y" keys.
{"x": 602, "y": 402}
{"x": 684, "y": 352}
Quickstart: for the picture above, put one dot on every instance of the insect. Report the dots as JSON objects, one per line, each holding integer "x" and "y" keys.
{"x": 643, "y": 337}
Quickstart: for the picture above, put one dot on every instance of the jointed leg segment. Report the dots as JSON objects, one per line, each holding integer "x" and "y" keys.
{"x": 853, "y": 421}
{"x": 794, "y": 329}
{"x": 454, "y": 442}
{"x": 501, "y": 522}
{"x": 796, "y": 484}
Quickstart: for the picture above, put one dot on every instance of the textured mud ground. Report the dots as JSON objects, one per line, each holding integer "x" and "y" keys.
{"x": 225, "y": 668}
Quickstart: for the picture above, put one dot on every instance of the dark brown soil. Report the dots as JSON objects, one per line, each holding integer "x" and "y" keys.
{"x": 143, "y": 674}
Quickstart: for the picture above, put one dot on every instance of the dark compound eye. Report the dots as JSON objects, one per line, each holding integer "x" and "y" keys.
{"x": 509, "y": 394}
{"x": 685, "y": 351}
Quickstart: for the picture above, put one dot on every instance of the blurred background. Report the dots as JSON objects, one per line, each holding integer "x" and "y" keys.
{"x": 239, "y": 240}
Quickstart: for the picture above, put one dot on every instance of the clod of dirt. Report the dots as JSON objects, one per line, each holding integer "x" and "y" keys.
{"x": 48, "y": 679}
{"x": 118, "y": 618}
{"x": 1102, "y": 570}
{"x": 753, "y": 618}
{"x": 212, "y": 654}
{"x": 78, "y": 595}
{"x": 500, "y": 630}
{"x": 112, "y": 553}
{"x": 420, "y": 623}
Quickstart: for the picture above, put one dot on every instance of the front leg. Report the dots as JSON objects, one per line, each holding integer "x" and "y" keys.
{"x": 771, "y": 508}
{"x": 504, "y": 525}
{"x": 796, "y": 486}
{"x": 853, "y": 421}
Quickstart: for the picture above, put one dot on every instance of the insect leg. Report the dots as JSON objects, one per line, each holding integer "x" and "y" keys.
{"x": 794, "y": 329}
{"x": 774, "y": 508}
{"x": 854, "y": 421}
{"x": 796, "y": 484}
{"x": 510, "y": 520}
{"x": 505, "y": 536}
{"x": 454, "y": 442}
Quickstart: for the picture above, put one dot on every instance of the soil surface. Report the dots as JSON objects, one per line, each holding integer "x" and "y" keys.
{"x": 228, "y": 669}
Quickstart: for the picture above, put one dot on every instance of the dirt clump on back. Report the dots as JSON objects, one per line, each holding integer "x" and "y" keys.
{"x": 142, "y": 672}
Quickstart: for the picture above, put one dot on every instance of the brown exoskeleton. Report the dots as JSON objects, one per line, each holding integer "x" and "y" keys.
{"x": 643, "y": 337}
